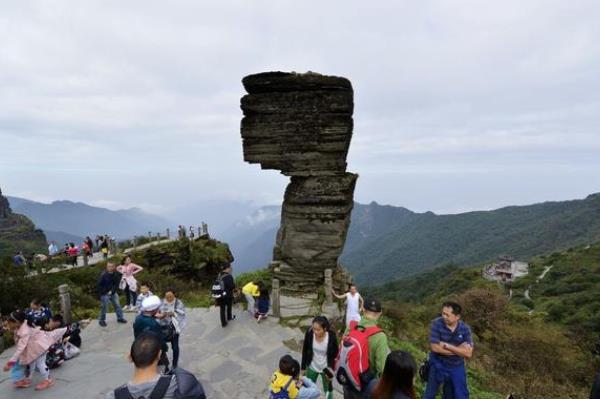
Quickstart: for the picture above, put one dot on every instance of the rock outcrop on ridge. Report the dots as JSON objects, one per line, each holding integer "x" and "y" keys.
{"x": 18, "y": 233}
{"x": 301, "y": 124}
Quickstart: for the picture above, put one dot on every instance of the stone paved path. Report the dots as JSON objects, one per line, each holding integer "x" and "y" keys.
{"x": 235, "y": 362}
{"x": 98, "y": 257}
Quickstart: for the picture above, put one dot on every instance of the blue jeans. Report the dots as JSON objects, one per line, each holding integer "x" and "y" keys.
{"x": 454, "y": 379}
{"x": 114, "y": 299}
{"x": 308, "y": 390}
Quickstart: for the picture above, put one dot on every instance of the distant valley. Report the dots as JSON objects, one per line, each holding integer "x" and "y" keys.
{"x": 384, "y": 242}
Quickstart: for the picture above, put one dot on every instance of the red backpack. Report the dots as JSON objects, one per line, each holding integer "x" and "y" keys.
{"x": 352, "y": 363}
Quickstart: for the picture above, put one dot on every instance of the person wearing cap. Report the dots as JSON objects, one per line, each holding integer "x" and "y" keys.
{"x": 146, "y": 322}
{"x": 378, "y": 347}
{"x": 451, "y": 343}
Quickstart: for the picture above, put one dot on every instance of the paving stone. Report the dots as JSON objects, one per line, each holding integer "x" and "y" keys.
{"x": 232, "y": 362}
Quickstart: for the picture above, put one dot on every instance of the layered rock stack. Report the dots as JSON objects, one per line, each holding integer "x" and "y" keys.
{"x": 301, "y": 124}
{"x": 4, "y": 207}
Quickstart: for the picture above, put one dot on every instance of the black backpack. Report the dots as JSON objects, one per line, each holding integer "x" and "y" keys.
{"x": 218, "y": 288}
{"x": 188, "y": 387}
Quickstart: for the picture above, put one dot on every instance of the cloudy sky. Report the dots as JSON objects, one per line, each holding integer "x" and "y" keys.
{"x": 460, "y": 105}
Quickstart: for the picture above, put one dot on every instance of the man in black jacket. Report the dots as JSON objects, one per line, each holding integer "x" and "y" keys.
{"x": 107, "y": 286}
{"x": 226, "y": 301}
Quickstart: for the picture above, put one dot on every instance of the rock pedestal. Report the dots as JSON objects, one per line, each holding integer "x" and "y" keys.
{"x": 301, "y": 124}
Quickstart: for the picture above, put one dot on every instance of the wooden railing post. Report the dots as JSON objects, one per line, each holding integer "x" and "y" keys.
{"x": 276, "y": 299}
{"x": 65, "y": 302}
{"x": 328, "y": 286}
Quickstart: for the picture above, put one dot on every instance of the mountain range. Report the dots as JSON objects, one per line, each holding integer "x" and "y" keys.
{"x": 413, "y": 242}
{"x": 384, "y": 242}
{"x": 66, "y": 221}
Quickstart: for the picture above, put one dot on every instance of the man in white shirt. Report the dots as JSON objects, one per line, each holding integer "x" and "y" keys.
{"x": 53, "y": 249}
{"x": 354, "y": 304}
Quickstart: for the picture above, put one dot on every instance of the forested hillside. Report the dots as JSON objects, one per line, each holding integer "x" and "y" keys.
{"x": 544, "y": 346}
{"x": 411, "y": 242}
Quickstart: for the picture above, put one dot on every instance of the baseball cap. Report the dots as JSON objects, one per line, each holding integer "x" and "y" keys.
{"x": 151, "y": 303}
{"x": 373, "y": 305}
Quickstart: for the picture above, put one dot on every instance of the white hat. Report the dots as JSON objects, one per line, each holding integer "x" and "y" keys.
{"x": 151, "y": 303}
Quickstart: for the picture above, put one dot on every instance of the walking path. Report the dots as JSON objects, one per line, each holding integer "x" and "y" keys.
{"x": 97, "y": 257}
{"x": 537, "y": 281}
{"x": 234, "y": 362}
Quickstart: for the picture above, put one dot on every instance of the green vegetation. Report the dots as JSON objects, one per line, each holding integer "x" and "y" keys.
{"x": 410, "y": 243}
{"x": 550, "y": 352}
{"x": 17, "y": 233}
{"x": 187, "y": 268}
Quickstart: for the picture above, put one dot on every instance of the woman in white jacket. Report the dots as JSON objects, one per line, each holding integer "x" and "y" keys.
{"x": 172, "y": 318}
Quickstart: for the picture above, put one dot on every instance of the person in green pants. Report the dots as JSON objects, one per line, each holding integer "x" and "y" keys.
{"x": 319, "y": 352}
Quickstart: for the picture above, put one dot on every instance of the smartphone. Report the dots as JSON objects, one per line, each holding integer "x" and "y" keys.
{"x": 329, "y": 373}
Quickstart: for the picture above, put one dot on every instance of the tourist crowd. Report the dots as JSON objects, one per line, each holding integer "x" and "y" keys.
{"x": 358, "y": 358}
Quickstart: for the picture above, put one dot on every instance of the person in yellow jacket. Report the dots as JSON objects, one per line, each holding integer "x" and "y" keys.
{"x": 286, "y": 383}
{"x": 252, "y": 291}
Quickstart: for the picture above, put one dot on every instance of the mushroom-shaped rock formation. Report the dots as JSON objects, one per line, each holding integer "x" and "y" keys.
{"x": 301, "y": 124}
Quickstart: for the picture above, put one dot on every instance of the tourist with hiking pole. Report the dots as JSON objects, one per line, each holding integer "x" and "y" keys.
{"x": 128, "y": 282}
{"x": 107, "y": 286}
{"x": 451, "y": 343}
{"x": 147, "y": 382}
{"x": 398, "y": 378}
{"x": 354, "y": 303}
{"x": 357, "y": 373}
{"x": 172, "y": 320}
{"x": 319, "y": 351}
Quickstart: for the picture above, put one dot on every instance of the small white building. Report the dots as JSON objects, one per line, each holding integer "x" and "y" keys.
{"x": 505, "y": 270}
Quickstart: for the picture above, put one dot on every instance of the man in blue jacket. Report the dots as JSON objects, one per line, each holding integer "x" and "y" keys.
{"x": 107, "y": 287}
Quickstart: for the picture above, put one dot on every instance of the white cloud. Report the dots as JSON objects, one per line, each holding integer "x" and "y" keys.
{"x": 129, "y": 96}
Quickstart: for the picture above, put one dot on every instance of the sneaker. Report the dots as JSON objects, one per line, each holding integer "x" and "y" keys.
{"x": 123, "y": 321}
{"x": 102, "y": 323}
{"x": 232, "y": 318}
{"x": 24, "y": 383}
{"x": 126, "y": 308}
{"x": 44, "y": 385}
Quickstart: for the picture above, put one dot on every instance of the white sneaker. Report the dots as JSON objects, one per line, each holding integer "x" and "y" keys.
{"x": 126, "y": 308}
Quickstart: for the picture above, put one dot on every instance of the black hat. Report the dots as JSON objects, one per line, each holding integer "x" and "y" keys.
{"x": 373, "y": 305}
